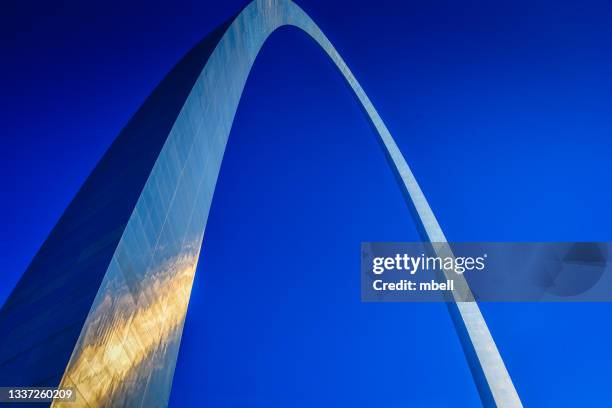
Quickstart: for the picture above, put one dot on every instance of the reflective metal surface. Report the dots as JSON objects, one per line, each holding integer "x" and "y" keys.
{"x": 127, "y": 349}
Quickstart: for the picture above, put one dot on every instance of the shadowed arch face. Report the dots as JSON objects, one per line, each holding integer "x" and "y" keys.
{"x": 127, "y": 348}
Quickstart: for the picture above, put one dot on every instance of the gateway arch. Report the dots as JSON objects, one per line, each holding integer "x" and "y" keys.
{"x": 103, "y": 302}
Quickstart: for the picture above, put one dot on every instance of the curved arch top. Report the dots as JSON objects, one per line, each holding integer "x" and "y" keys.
{"x": 128, "y": 346}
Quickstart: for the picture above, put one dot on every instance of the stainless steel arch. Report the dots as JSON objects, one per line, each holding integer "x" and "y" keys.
{"x": 127, "y": 349}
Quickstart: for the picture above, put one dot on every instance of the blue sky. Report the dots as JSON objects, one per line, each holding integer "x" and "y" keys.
{"x": 501, "y": 109}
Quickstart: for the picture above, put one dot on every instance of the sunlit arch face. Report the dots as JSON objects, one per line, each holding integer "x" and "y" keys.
{"x": 115, "y": 353}
{"x": 127, "y": 348}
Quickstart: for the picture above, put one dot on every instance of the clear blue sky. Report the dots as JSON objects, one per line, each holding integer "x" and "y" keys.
{"x": 502, "y": 110}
